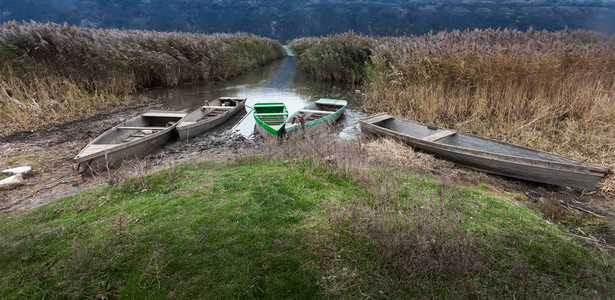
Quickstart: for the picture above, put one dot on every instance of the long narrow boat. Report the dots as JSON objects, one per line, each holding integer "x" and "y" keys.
{"x": 270, "y": 119}
{"x": 209, "y": 116}
{"x": 135, "y": 138}
{"x": 316, "y": 116}
{"x": 487, "y": 155}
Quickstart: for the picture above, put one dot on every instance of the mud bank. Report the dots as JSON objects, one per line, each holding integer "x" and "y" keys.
{"x": 50, "y": 152}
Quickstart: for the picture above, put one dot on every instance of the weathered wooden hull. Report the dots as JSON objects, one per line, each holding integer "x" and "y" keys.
{"x": 114, "y": 157}
{"x": 107, "y": 150}
{"x": 488, "y": 155}
{"x": 320, "y": 124}
{"x": 264, "y": 133}
{"x": 196, "y": 128}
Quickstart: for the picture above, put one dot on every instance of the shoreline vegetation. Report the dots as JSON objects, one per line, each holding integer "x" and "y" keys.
{"x": 52, "y": 72}
{"x": 554, "y": 91}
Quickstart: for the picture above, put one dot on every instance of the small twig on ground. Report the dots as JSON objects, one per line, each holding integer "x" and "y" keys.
{"x": 596, "y": 241}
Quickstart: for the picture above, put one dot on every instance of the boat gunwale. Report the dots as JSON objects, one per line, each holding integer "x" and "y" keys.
{"x": 579, "y": 167}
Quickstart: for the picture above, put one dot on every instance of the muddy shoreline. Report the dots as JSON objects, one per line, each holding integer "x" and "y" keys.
{"x": 50, "y": 152}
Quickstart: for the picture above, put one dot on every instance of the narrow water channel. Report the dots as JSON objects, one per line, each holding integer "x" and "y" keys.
{"x": 278, "y": 81}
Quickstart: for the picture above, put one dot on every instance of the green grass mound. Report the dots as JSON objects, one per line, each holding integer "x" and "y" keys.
{"x": 290, "y": 229}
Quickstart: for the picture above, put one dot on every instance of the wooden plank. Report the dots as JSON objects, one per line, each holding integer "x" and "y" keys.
{"x": 379, "y": 119}
{"x": 96, "y": 148}
{"x": 332, "y": 102}
{"x": 309, "y": 111}
{"x": 217, "y": 107}
{"x": 185, "y": 123}
{"x": 271, "y": 114}
{"x": 439, "y": 135}
{"x": 164, "y": 114}
{"x": 141, "y": 128}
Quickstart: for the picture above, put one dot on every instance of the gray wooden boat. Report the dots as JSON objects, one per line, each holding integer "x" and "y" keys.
{"x": 135, "y": 138}
{"x": 209, "y": 116}
{"x": 487, "y": 155}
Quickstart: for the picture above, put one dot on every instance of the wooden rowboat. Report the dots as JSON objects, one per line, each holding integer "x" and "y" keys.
{"x": 135, "y": 138}
{"x": 209, "y": 116}
{"x": 316, "y": 116}
{"x": 270, "y": 119}
{"x": 487, "y": 155}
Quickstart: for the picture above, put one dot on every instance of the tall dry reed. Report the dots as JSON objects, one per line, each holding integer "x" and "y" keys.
{"x": 51, "y": 71}
{"x": 550, "y": 90}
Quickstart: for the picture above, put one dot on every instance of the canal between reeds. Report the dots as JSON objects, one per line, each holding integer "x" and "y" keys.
{"x": 278, "y": 81}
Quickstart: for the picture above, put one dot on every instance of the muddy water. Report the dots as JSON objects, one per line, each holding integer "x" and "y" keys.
{"x": 275, "y": 82}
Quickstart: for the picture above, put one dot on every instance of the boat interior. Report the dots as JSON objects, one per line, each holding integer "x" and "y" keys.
{"x": 272, "y": 114}
{"x": 213, "y": 108}
{"x": 449, "y": 137}
{"x": 140, "y": 127}
{"x": 313, "y": 112}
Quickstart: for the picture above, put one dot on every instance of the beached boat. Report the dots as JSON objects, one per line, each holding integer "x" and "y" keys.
{"x": 209, "y": 116}
{"x": 487, "y": 155}
{"x": 270, "y": 119}
{"x": 135, "y": 138}
{"x": 315, "y": 116}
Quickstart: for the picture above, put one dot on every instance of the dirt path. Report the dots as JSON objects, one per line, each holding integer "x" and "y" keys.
{"x": 50, "y": 152}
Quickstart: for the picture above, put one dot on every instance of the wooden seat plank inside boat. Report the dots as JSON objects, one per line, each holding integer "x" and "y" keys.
{"x": 439, "y": 135}
{"x": 216, "y": 107}
{"x": 140, "y": 128}
{"x": 379, "y": 118}
{"x": 164, "y": 114}
{"x": 332, "y": 102}
{"x": 272, "y": 115}
{"x": 96, "y": 148}
{"x": 311, "y": 111}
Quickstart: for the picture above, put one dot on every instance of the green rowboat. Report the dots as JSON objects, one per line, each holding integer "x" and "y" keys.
{"x": 270, "y": 119}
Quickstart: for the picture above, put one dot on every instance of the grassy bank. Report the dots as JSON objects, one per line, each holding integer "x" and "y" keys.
{"x": 289, "y": 227}
{"x": 52, "y": 72}
{"x": 549, "y": 90}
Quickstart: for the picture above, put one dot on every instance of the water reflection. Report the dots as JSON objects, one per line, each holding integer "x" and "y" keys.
{"x": 276, "y": 82}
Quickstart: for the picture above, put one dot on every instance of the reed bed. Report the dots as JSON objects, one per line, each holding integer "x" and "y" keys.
{"x": 52, "y": 71}
{"x": 343, "y": 57}
{"x": 548, "y": 90}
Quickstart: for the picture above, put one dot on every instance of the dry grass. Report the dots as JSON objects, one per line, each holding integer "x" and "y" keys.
{"x": 53, "y": 72}
{"x": 554, "y": 91}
